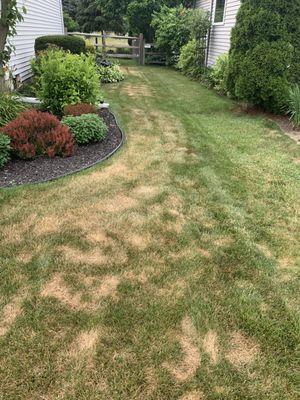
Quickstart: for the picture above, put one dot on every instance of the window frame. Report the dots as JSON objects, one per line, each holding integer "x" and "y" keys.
{"x": 224, "y": 14}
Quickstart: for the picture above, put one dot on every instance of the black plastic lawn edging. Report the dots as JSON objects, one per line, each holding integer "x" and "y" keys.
{"x": 43, "y": 169}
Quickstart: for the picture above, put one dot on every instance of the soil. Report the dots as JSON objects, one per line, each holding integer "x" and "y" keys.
{"x": 43, "y": 169}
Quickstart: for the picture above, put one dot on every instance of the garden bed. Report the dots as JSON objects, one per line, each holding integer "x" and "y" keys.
{"x": 42, "y": 169}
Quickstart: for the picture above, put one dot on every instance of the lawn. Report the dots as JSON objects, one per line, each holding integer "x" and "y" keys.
{"x": 171, "y": 271}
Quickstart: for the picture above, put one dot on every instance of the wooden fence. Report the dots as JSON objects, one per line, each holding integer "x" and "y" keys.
{"x": 135, "y": 50}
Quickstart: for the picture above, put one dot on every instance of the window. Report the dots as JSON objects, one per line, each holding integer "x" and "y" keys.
{"x": 219, "y": 11}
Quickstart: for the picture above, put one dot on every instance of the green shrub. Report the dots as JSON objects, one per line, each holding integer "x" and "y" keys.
{"x": 294, "y": 105}
{"x": 171, "y": 31}
{"x": 86, "y": 128}
{"x": 188, "y": 60}
{"x": 4, "y": 149}
{"x": 74, "y": 44}
{"x": 219, "y": 73}
{"x": 64, "y": 78}
{"x": 265, "y": 78}
{"x": 174, "y": 28}
{"x": 110, "y": 74}
{"x": 265, "y": 42}
{"x": 10, "y": 107}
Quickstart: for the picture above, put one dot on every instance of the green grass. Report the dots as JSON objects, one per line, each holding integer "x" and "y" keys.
{"x": 170, "y": 271}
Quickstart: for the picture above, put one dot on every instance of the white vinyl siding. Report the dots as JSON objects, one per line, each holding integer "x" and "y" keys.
{"x": 43, "y": 17}
{"x": 221, "y": 32}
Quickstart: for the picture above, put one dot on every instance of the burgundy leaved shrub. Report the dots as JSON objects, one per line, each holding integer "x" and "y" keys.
{"x": 35, "y": 133}
{"x": 76, "y": 110}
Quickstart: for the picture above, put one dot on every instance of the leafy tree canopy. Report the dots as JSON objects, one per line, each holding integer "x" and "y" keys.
{"x": 101, "y": 15}
{"x": 140, "y": 14}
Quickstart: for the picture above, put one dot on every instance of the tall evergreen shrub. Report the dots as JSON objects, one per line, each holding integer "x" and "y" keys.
{"x": 264, "y": 59}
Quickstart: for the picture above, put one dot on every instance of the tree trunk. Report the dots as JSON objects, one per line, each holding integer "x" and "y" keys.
{"x": 3, "y": 39}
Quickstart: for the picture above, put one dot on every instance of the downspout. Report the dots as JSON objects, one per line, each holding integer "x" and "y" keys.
{"x": 209, "y": 32}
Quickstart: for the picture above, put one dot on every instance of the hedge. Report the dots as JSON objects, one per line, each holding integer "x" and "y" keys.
{"x": 264, "y": 59}
{"x": 74, "y": 44}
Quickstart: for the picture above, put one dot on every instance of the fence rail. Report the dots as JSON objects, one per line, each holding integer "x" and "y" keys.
{"x": 137, "y": 47}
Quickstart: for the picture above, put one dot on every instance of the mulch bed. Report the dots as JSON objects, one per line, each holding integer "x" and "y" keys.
{"x": 43, "y": 169}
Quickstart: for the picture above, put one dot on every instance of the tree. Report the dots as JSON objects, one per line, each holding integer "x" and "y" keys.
{"x": 70, "y": 23}
{"x": 71, "y": 7}
{"x": 172, "y": 31}
{"x": 102, "y": 15}
{"x": 139, "y": 17}
{"x": 140, "y": 13}
{"x": 264, "y": 58}
{"x": 10, "y": 15}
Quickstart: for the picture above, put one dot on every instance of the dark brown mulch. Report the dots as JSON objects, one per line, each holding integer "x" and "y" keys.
{"x": 42, "y": 169}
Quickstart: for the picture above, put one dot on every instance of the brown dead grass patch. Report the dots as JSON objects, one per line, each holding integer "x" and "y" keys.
{"x": 174, "y": 290}
{"x": 117, "y": 204}
{"x": 84, "y": 345}
{"x": 210, "y": 346}
{"x": 194, "y": 395}
{"x": 107, "y": 287}
{"x": 47, "y": 225}
{"x": 286, "y": 262}
{"x": 223, "y": 242}
{"x": 151, "y": 380}
{"x": 97, "y": 290}
{"x": 243, "y": 350}
{"x": 98, "y": 237}
{"x": 93, "y": 257}
{"x": 14, "y": 233}
{"x": 146, "y": 191}
{"x": 137, "y": 91}
{"x": 24, "y": 257}
{"x": 187, "y": 368}
{"x": 140, "y": 241}
{"x": 57, "y": 289}
{"x": 265, "y": 250}
{"x": 190, "y": 253}
{"x": 132, "y": 276}
{"x": 10, "y": 313}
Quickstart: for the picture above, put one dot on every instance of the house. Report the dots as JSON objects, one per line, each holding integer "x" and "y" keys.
{"x": 223, "y": 16}
{"x": 43, "y": 17}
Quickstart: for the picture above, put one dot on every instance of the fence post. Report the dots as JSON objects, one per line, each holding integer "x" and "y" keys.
{"x": 142, "y": 49}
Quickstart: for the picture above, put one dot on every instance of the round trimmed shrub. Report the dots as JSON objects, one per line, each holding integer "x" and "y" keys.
{"x": 74, "y": 44}
{"x": 76, "y": 110}
{"x": 86, "y": 128}
{"x": 36, "y": 133}
{"x": 4, "y": 149}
